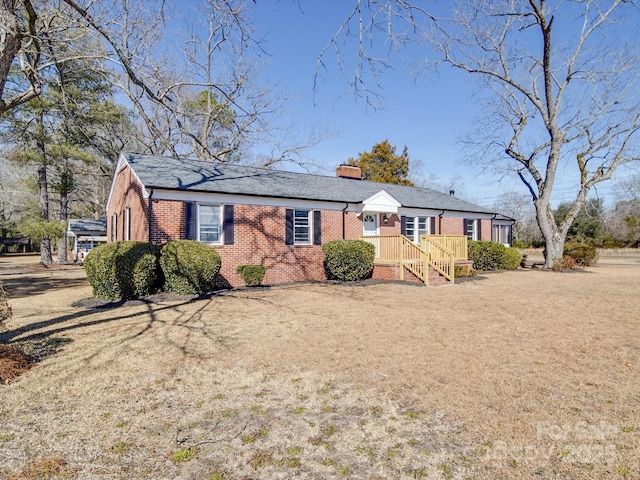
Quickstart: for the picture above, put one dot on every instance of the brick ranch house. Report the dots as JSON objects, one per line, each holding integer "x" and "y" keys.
{"x": 280, "y": 219}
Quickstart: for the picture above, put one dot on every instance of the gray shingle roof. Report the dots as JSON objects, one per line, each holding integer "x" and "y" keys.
{"x": 88, "y": 225}
{"x": 157, "y": 172}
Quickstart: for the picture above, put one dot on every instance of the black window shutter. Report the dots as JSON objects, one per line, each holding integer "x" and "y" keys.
{"x": 227, "y": 226}
{"x": 479, "y": 235}
{"x": 465, "y": 226}
{"x": 510, "y": 236}
{"x": 432, "y": 226}
{"x": 403, "y": 225}
{"x": 317, "y": 227}
{"x": 191, "y": 220}
{"x": 289, "y": 227}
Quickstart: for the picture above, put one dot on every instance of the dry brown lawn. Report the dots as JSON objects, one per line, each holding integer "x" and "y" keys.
{"x": 514, "y": 375}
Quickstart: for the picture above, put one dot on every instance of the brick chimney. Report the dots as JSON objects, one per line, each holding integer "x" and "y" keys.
{"x": 349, "y": 171}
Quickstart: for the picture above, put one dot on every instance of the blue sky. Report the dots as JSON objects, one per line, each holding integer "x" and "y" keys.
{"x": 427, "y": 114}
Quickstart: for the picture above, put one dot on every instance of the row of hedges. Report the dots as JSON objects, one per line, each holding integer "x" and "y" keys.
{"x": 493, "y": 256}
{"x": 122, "y": 270}
{"x": 130, "y": 269}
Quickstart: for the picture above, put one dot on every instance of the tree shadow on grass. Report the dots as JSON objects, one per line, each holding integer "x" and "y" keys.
{"x": 41, "y": 329}
{"x": 27, "y": 285}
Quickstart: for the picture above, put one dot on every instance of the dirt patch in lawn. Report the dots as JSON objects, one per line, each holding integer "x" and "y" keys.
{"x": 525, "y": 374}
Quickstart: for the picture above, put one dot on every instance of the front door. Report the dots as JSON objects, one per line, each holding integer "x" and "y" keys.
{"x": 370, "y": 221}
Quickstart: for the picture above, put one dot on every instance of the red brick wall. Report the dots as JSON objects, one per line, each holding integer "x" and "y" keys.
{"x": 455, "y": 226}
{"x": 450, "y": 226}
{"x": 168, "y": 220}
{"x": 389, "y": 271}
{"x": 127, "y": 192}
{"x": 392, "y": 226}
{"x": 259, "y": 234}
{"x": 485, "y": 230}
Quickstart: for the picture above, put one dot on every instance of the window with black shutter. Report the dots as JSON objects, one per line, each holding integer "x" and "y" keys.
{"x": 228, "y": 230}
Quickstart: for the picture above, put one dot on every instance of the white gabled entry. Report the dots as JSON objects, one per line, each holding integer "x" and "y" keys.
{"x": 380, "y": 202}
{"x": 372, "y": 207}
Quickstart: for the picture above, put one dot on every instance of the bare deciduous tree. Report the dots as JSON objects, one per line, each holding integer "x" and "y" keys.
{"x": 518, "y": 206}
{"x": 559, "y": 81}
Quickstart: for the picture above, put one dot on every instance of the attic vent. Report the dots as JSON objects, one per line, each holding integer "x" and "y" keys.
{"x": 349, "y": 171}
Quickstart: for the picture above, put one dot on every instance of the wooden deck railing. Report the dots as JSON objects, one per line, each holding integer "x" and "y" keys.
{"x": 416, "y": 259}
{"x": 440, "y": 257}
{"x": 456, "y": 243}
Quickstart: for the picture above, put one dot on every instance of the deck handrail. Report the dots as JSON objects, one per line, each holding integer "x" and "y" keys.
{"x": 441, "y": 258}
{"x": 417, "y": 259}
{"x": 456, "y": 243}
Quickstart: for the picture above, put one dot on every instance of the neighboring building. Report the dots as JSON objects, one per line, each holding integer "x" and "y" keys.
{"x": 86, "y": 234}
{"x": 276, "y": 218}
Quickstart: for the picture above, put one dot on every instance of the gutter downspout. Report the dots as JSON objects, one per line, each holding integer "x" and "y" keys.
{"x": 440, "y": 222}
{"x": 344, "y": 227}
{"x": 149, "y": 215}
{"x": 492, "y": 219}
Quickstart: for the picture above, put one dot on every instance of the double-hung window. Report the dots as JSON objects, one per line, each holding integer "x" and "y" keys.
{"x": 501, "y": 234}
{"x": 209, "y": 224}
{"x": 416, "y": 226}
{"x": 471, "y": 229}
{"x": 302, "y": 227}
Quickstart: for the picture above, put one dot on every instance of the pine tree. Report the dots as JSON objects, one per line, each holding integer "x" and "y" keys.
{"x": 383, "y": 165}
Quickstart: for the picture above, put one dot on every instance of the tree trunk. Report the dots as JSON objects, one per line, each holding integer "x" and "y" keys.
{"x": 554, "y": 248}
{"x": 10, "y": 41}
{"x": 63, "y": 256}
{"x": 554, "y": 236}
{"x": 46, "y": 257}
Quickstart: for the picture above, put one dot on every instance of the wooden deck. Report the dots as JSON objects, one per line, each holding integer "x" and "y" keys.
{"x": 436, "y": 253}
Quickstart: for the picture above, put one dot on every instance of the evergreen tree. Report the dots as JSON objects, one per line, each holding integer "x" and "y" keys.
{"x": 58, "y": 133}
{"x": 383, "y": 165}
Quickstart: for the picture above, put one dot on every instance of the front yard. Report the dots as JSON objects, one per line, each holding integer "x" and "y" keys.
{"x": 524, "y": 374}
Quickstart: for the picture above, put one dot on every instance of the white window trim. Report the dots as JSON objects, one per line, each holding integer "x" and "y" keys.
{"x": 417, "y": 231}
{"x": 474, "y": 229}
{"x": 127, "y": 223}
{"x": 220, "y": 240}
{"x": 309, "y": 240}
{"x": 501, "y": 227}
{"x": 114, "y": 227}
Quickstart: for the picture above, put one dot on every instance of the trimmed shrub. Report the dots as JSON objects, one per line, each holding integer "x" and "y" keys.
{"x": 252, "y": 274}
{"x": 486, "y": 255}
{"x": 493, "y": 256}
{"x": 460, "y": 271}
{"x": 511, "y": 259}
{"x": 189, "y": 267}
{"x": 584, "y": 255}
{"x": 348, "y": 260}
{"x": 122, "y": 270}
